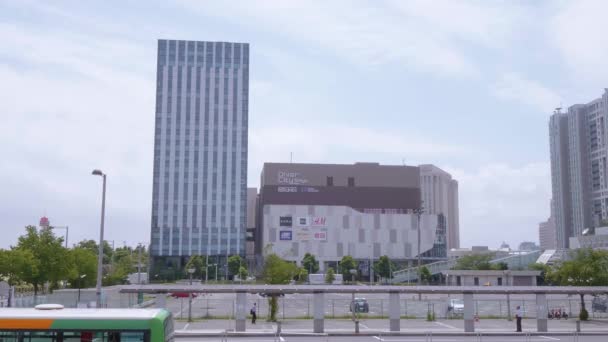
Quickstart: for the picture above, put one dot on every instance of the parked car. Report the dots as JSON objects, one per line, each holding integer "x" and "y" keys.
{"x": 264, "y": 294}
{"x": 182, "y": 295}
{"x": 360, "y": 305}
{"x": 599, "y": 304}
{"x": 455, "y": 307}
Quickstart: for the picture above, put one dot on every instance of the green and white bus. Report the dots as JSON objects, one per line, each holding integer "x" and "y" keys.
{"x": 52, "y": 323}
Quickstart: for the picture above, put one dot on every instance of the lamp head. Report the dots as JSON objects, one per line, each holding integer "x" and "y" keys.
{"x": 97, "y": 172}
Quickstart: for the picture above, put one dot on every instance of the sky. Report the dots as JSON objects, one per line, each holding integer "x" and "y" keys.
{"x": 465, "y": 85}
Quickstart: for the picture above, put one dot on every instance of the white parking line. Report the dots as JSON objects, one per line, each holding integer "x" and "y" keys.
{"x": 281, "y": 338}
{"x": 446, "y": 325}
{"x": 186, "y": 326}
{"x": 549, "y": 338}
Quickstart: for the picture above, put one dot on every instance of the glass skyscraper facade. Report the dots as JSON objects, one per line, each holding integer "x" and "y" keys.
{"x": 200, "y": 150}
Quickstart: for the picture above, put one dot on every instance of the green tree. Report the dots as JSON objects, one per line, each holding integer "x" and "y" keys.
{"x": 84, "y": 273}
{"x": 277, "y": 271}
{"x": 500, "y": 266}
{"x": 50, "y": 257}
{"x": 235, "y": 262}
{"x": 474, "y": 262}
{"x": 15, "y": 266}
{"x": 330, "y": 276}
{"x": 542, "y": 279}
{"x": 94, "y": 247}
{"x": 587, "y": 267}
{"x": 346, "y": 264}
{"x": 383, "y": 267}
{"x": 310, "y": 263}
{"x": 243, "y": 273}
{"x": 199, "y": 263}
{"x": 301, "y": 275}
{"x": 425, "y": 275}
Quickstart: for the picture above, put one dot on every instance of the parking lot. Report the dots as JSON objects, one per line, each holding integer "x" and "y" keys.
{"x": 300, "y": 306}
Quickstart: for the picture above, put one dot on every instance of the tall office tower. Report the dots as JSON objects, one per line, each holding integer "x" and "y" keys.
{"x": 440, "y": 196}
{"x": 579, "y": 173}
{"x": 200, "y": 152}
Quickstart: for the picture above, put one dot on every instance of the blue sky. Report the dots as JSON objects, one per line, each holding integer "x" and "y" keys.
{"x": 465, "y": 85}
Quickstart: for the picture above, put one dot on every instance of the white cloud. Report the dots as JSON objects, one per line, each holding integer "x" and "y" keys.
{"x": 502, "y": 202}
{"x": 334, "y": 143}
{"x": 516, "y": 88}
{"x": 418, "y": 35}
{"x": 578, "y": 31}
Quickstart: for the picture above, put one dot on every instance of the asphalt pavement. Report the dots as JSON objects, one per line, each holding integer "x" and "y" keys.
{"x": 378, "y": 338}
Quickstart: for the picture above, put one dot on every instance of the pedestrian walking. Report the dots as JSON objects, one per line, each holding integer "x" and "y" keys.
{"x": 518, "y": 316}
{"x": 253, "y": 313}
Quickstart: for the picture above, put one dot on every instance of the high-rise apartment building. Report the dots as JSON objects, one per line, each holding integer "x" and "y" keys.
{"x": 200, "y": 151}
{"x": 579, "y": 173}
{"x": 440, "y": 197}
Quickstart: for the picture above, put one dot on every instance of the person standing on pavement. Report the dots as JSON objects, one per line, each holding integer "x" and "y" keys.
{"x": 253, "y": 313}
{"x": 518, "y": 316}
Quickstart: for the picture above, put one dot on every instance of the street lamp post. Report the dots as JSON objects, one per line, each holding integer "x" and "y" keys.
{"x": 67, "y": 230}
{"x": 100, "y": 253}
{"x": 79, "y": 286}
{"x": 190, "y": 271}
{"x": 207, "y": 272}
{"x": 418, "y": 212}
{"x": 371, "y": 265}
{"x": 509, "y": 318}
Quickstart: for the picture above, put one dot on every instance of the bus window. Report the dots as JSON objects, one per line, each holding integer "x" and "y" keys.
{"x": 8, "y": 336}
{"x": 130, "y": 336}
{"x": 113, "y": 337}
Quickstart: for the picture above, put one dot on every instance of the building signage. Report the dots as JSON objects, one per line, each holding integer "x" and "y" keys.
{"x": 285, "y": 235}
{"x": 308, "y": 189}
{"x": 285, "y": 221}
{"x": 303, "y": 221}
{"x": 294, "y": 178}
{"x": 318, "y": 221}
{"x": 302, "y": 235}
{"x": 287, "y": 189}
{"x": 320, "y": 235}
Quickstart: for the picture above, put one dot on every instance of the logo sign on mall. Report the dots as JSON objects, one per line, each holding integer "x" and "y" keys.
{"x": 287, "y": 189}
{"x": 285, "y": 235}
{"x": 285, "y": 221}
{"x": 318, "y": 221}
{"x": 293, "y": 178}
{"x": 320, "y": 236}
{"x": 303, "y": 221}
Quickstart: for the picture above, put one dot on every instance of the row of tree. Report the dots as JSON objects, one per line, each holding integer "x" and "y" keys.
{"x": 200, "y": 265}
{"x": 40, "y": 259}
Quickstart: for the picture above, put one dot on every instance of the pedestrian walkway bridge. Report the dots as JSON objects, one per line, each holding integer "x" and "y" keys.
{"x": 515, "y": 261}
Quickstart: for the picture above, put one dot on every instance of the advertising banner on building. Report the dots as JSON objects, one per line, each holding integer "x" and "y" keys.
{"x": 285, "y": 221}
{"x": 303, "y": 221}
{"x": 285, "y": 235}
{"x": 319, "y": 235}
{"x": 318, "y": 221}
{"x": 303, "y": 235}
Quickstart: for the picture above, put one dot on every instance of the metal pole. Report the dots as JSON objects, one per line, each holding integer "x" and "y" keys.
{"x": 67, "y": 230}
{"x": 371, "y": 266}
{"x": 100, "y": 253}
{"x": 139, "y": 266}
{"x": 190, "y": 300}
